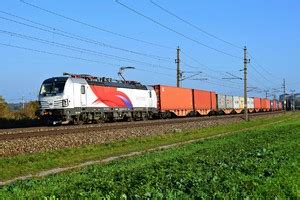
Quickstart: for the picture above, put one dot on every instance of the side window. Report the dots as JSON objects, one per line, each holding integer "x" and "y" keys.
{"x": 82, "y": 89}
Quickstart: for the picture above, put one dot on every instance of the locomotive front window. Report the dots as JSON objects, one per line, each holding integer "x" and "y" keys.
{"x": 52, "y": 88}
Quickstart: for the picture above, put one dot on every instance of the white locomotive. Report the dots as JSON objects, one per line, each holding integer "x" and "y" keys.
{"x": 84, "y": 98}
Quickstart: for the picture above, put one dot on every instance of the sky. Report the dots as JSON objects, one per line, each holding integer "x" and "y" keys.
{"x": 97, "y": 37}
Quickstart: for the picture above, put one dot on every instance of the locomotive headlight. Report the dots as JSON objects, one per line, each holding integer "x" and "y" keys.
{"x": 65, "y": 102}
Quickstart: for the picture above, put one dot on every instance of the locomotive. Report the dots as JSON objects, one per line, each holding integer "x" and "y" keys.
{"x": 84, "y": 98}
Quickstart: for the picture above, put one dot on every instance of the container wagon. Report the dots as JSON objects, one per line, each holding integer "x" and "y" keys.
{"x": 257, "y": 104}
{"x": 204, "y": 102}
{"x": 225, "y": 103}
{"x": 250, "y": 102}
{"x": 238, "y": 104}
{"x": 173, "y": 101}
{"x": 265, "y": 105}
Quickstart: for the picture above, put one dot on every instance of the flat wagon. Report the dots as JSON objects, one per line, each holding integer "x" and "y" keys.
{"x": 204, "y": 102}
{"x": 173, "y": 100}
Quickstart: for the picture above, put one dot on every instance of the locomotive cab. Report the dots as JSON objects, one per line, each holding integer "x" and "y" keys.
{"x": 52, "y": 99}
{"x": 53, "y": 86}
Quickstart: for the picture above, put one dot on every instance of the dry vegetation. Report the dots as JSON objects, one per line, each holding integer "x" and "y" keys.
{"x": 24, "y": 117}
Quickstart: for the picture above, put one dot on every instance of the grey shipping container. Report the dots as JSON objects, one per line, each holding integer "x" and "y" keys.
{"x": 229, "y": 102}
{"x": 221, "y": 101}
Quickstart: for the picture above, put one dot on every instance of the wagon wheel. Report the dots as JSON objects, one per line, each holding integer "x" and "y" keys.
{"x": 78, "y": 120}
{"x": 99, "y": 121}
{"x": 127, "y": 118}
{"x": 144, "y": 117}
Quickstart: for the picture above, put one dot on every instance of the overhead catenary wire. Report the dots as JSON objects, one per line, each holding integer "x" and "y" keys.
{"x": 254, "y": 60}
{"x": 255, "y": 79}
{"x": 224, "y": 82}
{"x": 230, "y": 83}
{"x": 78, "y": 49}
{"x": 263, "y": 76}
{"x": 271, "y": 78}
{"x": 176, "y": 32}
{"x": 55, "y": 54}
{"x": 194, "y": 26}
{"x": 268, "y": 84}
{"x": 205, "y": 67}
{"x": 235, "y": 85}
{"x": 201, "y": 64}
{"x": 62, "y": 33}
{"x": 222, "y": 85}
{"x": 208, "y": 75}
{"x": 294, "y": 83}
{"x": 94, "y": 26}
{"x": 218, "y": 79}
{"x": 200, "y": 68}
{"x": 57, "y": 30}
{"x": 74, "y": 57}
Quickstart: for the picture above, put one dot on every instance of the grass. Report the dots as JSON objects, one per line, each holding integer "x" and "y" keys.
{"x": 256, "y": 163}
{"x": 33, "y": 163}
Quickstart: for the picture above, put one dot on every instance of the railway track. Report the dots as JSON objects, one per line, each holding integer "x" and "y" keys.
{"x": 13, "y": 134}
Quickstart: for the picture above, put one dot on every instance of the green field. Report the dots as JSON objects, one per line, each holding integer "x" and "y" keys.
{"x": 261, "y": 162}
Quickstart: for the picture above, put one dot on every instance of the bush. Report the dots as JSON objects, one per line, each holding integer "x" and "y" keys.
{"x": 30, "y": 110}
{"x": 26, "y": 116}
{"x": 4, "y": 110}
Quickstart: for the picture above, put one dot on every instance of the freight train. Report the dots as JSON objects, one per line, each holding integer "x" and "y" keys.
{"x": 292, "y": 101}
{"x": 84, "y": 98}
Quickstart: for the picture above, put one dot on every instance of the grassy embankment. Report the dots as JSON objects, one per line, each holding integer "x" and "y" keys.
{"x": 262, "y": 162}
{"x": 25, "y": 164}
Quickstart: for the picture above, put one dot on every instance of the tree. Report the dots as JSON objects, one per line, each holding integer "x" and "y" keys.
{"x": 4, "y": 110}
{"x": 30, "y": 110}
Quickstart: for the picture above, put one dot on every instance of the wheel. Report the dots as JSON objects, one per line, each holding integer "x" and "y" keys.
{"x": 127, "y": 118}
{"x": 78, "y": 120}
{"x": 144, "y": 117}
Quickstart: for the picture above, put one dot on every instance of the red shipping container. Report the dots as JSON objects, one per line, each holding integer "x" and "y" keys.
{"x": 280, "y": 105}
{"x": 257, "y": 103}
{"x": 213, "y": 96}
{"x": 174, "y": 99}
{"x": 274, "y": 104}
{"x": 204, "y": 101}
{"x": 268, "y": 104}
{"x": 265, "y": 104}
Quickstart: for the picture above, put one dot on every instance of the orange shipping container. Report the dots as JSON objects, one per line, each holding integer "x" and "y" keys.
{"x": 275, "y": 106}
{"x": 265, "y": 104}
{"x": 174, "y": 99}
{"x": 268, "y": 102}
{"x": 204, "y": 101}
{"x": 257, "y": 103}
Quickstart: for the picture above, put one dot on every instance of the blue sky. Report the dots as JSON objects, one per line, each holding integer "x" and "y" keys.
{"x": 269, "y": 29}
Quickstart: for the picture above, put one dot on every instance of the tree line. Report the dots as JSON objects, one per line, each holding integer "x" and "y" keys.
{"x": 28, "y": 112}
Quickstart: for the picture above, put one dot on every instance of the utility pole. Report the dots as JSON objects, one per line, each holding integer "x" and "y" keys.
{"x": 23, "y": 102}
{"x": 284, "y": 97}
{"x": 266, "y": 91}
{"x": 246, "y": 61}
{"x": 177, "y": 61}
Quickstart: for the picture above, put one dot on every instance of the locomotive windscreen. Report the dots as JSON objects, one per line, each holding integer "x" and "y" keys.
{"x": 53, "y": 86}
